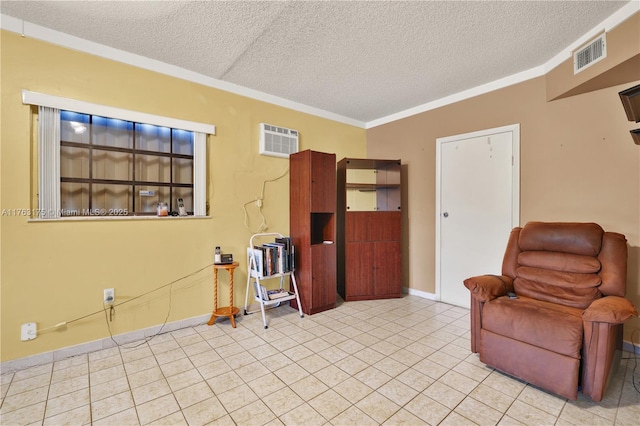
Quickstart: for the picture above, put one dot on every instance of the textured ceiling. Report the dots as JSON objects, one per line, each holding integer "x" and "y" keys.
{"x": 361, "y": 60}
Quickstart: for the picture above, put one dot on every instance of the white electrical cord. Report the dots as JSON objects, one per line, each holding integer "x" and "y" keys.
{"x": 58, "y": 325}
{"x": 263, "y": 224}
{"x": 104, "y": 308}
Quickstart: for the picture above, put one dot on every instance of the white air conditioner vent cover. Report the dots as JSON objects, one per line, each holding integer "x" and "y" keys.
{"x": 277, "y": 141}
{"x": 593, "y": 52}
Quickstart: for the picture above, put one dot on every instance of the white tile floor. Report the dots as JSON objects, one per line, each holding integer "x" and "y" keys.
{"x": 398, "y": 361}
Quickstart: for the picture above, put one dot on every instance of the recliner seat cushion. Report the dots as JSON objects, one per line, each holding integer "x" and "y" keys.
{"x": 554, "y": 327}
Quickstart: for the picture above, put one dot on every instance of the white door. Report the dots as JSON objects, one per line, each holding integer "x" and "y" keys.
{"x": 478, "y": 198}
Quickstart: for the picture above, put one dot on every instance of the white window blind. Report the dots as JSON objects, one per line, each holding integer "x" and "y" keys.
{"x": 199, "y": 174}
{"x": 48, "y": 163}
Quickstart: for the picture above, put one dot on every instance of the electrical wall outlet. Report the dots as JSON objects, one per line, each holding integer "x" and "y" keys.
{"x": 109, "y": 296}
{"x": 28, "y": 331}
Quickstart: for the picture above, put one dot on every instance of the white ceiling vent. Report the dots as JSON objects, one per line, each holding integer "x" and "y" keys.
{"x": 277, "y": 141}
{"x": 593, "y": 52}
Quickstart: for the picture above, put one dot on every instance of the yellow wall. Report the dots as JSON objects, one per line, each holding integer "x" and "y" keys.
{"x": 55, "y": 272}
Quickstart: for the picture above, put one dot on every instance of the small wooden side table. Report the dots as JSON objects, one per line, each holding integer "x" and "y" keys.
{"x": 228, "y": 311}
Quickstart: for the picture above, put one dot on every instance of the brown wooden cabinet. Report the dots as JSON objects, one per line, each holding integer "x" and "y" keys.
{"x": 369, "y": 229}
{"x": 312, "y": 221}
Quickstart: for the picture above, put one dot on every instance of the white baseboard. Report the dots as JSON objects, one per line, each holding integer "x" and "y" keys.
{"x": 629, "y": 347}
{"x": 96, "y": 345}
{"x": 419, "y": 293}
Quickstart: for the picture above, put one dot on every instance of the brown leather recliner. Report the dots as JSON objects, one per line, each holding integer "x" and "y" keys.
{"x": 565, "y": 326}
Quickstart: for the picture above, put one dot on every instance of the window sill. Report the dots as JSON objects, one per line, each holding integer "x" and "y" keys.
{"x": 114, "y": 218}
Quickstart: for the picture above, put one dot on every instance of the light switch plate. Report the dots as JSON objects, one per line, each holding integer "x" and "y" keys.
{"x": 28, "y": 331}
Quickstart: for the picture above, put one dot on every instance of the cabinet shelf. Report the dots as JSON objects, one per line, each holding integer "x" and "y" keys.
{"x": 372, "y": 186}
{"x": 370, "y": 164}
{"x": 369, "y": 185}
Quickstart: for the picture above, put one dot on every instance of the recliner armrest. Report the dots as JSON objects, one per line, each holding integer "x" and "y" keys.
{"x": 488, "y": 287}
{"x": 610, "y": 309}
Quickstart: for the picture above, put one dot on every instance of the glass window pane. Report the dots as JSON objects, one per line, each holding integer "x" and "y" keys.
{"x": 112, "y": 132}
{"x": 182, "y": 170}
{"x": 107, "y": 199}
{"x": 153, "y": 168}
{"x": 74, "y": 162}
{"x": 96, "y": 163}
{"x": 73, "y": 127}
{"x": 74, "y": 198}
{"x": 182, "y": 142}
{"x": 148, "y": 197}
{"x": 112, "y": 165}
{"x": 187, "y": 197}
{"x": 153, "y": 138}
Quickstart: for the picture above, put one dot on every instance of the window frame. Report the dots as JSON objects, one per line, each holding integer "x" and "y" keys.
{"x": 49, "y": 149}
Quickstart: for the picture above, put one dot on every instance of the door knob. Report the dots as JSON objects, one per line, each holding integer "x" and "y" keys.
{"x": 445, "y": 214}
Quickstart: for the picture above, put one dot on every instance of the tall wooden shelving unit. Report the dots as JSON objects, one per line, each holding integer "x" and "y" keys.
{"x": 312, "y": 221}
{"x": 369, "y": 229}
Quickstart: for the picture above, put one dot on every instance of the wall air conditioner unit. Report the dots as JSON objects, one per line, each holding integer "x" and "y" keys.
{"x": 590, "y": 54}
{"x": 277, "y": 141}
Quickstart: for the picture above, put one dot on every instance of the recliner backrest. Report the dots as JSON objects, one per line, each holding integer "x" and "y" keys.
{"x": 567, "y": 263}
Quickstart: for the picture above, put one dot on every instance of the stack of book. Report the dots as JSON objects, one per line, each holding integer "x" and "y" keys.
{"x": 272, "y": 258}
{"x": 266, "y": 295}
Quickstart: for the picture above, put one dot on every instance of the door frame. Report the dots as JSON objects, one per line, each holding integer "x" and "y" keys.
{"x": 515, "y": 176}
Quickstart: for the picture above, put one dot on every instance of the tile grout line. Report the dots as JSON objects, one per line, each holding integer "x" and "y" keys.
{"x": 126, "y": 375}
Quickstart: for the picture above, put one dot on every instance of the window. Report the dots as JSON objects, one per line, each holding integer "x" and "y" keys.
{"x": 98, "y": 162}
{"x": 115, "y": 167}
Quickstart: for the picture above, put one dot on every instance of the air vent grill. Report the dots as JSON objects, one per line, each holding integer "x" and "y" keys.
{"x": 277, "y": 141}
{"x": 593, "y": 52}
